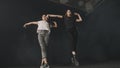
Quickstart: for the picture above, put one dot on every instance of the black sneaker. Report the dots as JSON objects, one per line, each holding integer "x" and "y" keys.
{"x": 44, "y": 66}
{"x": 74, "y": 61}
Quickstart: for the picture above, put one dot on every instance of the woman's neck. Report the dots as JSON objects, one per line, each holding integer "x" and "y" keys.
{"x": 68, "y": 15}
{"x": 44, "y": 20}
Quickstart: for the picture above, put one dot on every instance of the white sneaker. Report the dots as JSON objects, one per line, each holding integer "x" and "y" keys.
{"x": 44, "y": 66}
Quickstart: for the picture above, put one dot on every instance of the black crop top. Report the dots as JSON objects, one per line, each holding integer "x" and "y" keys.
{"x": 69, "y": 22}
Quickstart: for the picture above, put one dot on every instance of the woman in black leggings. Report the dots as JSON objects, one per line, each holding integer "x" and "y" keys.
{"x": 69, "y": 21}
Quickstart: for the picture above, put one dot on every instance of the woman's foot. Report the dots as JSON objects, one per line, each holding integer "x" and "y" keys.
{"x": 44, "y": 63}
{"x": 44, "y": 66}
{"x": 74, "y": 60}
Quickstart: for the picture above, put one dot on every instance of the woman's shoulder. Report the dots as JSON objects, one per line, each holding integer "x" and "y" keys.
{"x": 41, "y": 21}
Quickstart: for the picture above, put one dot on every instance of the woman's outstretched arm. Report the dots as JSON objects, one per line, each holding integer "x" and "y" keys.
{"x": 29, "y": 23}
{"x": 53, "y": 15}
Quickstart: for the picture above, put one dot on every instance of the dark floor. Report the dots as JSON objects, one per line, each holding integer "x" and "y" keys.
{"x": 110, "y": 64}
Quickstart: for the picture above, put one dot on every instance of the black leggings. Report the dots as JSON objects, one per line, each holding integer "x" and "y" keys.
{"x": 74, "y": 35}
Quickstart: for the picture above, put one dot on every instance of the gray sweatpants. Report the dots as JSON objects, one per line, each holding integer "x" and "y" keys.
{"x": 43, "y": 36}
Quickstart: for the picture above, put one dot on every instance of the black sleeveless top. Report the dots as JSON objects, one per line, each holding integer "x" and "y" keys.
{"x": 69, "y": 22}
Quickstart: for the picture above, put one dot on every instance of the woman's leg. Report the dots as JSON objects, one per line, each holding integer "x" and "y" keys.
{"x": 74, "y": 44}
{"x": 43, "y": 43}
{"x": 74, "y": 39}
{"x": 47, "y": 37}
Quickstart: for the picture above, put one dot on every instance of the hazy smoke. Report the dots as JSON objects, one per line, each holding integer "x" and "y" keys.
{"x": 85, "y": 5}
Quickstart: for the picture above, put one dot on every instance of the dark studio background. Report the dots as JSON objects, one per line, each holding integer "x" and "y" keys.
{"x": 98, "y": 40}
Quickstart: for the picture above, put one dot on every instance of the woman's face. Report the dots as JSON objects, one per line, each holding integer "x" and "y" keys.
{"x": 44, "y": 17}
{"x": 68, "y": 13}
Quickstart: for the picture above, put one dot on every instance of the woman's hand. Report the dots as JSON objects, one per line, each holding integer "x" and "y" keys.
{"x": 25, "y": 25}
{"x": 55, "y": 24}
{"x": 76, "y": 13}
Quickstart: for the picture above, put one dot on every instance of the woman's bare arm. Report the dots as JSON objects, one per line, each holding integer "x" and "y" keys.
{"x": 55, "y": 24}
{"x": 79, "y": 19}
{"x": 53, "y": 15}
{"x": 30, "y": 23}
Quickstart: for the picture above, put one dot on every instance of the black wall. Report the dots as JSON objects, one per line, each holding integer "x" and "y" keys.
{"x": 100, "y": 35}
{"x": 98, "y": 39}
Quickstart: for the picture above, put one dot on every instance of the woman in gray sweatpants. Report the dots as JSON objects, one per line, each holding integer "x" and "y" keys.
{"x": 43, "y": 36}
{"x": 43, "y": 31}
